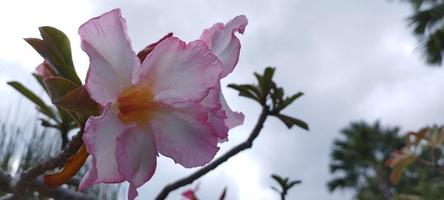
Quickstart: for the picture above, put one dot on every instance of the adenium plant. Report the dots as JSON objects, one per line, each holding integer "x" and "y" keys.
{"x": 169, "y": 102}
{"x": 166, "y": 99}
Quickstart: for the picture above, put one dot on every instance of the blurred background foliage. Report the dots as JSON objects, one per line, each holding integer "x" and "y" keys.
{"x": 358, "y": 159}
{"x": 359, "y": 162}
{"x": 427, "y": 22}
{"x": 23, "y": 143}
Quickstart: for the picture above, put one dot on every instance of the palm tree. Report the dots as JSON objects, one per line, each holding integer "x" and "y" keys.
{"x": 358, "y": 159}
{"x": 428, "y": 26}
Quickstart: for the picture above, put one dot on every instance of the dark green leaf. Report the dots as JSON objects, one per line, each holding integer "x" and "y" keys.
{"x": 67, "y": 119}
{"x": 287, "y": 101}
{"x": 280, "y": 180}
{"x": 275, "y": 189}
{"x": 292, "y": 183}
{"x": 244, "y": 91}
{"x": 58, "y": 87}
{"x": 57, "y": 41}
{"x": 43, "y": 108}
{"x": 40, "y": 46}
{"x": 259, "y": 78}
{"x": 78, "y": 100}
{"x": 267, "y": 79}
{"x": 290, "y": 121}
{"x": 39, "y": 79}
{"x": 59, "y": 50}
{"x": 46, "y": 123}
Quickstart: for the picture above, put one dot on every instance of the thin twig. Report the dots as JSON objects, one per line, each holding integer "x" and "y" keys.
{"x": 194, "y": 176}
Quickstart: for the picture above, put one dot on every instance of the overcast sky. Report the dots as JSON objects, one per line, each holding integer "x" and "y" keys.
{"x": 353, "y": 59}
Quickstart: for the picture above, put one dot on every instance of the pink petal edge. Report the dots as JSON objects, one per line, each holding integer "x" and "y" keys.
{"x": 100, "y": 139}
{"x": 112, "y": 60}
{"x": 179, "y": 72}
{"x": 136, "y": 156}
{"x": 222, "y": 42}
{"x": 183, "y": 134}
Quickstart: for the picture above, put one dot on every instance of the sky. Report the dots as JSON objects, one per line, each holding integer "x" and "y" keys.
{"x": 353, "y": 59}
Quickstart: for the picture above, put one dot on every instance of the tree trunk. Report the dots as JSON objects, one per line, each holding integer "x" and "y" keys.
{"x": 383, "y": 185}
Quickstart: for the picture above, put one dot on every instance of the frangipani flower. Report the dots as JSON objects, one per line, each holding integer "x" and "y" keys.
{"x": 169, "y": 102}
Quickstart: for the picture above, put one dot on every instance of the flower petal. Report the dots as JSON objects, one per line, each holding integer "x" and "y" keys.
{"x": 100, "y": 138}
{"x": 222, "y": 42}
{"x": 233, "y": 118}
{"x": 112, "y": 60}
{"x": 183, "y": 134}
{"x": 216, "y": 115}
{"x": 215, "y": 102}
{"x": 179, "y": 72}
{"x": 136, "y": 157}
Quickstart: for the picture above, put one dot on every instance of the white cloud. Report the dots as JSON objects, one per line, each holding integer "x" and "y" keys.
{"x": 353, "y": 59}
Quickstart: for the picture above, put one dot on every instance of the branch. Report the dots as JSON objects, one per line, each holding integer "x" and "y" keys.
{"x": 59, "y": 192}
{"x": 5, "y": 180}
{"x": 39, "y": 186}
{"x": 243, "y": 146}
{"x": 19, "y": 187}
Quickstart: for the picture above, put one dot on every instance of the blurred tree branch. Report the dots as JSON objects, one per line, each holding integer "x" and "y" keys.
{"x": 28, "y": 179}
{"x": 7, "y": 184}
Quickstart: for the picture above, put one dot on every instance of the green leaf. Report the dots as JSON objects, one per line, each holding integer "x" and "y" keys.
{"x": 267, "y": 79}
{"x": 280, "y": 180}
{"x": 287, "y": 101}
{"x": 59, "y": 50}
{"x": 46, "y": 123}
{"x": 253, "y": 89}
{"x": 259, "y": 78}
{"x": 41, "y": 48}
{"x": 39, "y": 45}
{"x": 58, "y": 87}
{"x": 39, "y": 79}
{"x": 245, "y": 90}
{"x": 277, "y": 94}
{"x": 67, "y": 119}
{"x": 78, "y": 100}
{"x": 275, "y": 189}
{"x": 43, "y": 108}
{"x": 57, "y": 41}
{"x": 290, "y": 121}
{"x": 292, "y": 183}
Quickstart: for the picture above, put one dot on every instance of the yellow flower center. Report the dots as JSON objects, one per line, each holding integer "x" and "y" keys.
{"x": 136, "y": 104}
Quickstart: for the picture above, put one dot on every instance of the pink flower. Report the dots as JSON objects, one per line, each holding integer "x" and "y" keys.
{"x": 169, "y": 103}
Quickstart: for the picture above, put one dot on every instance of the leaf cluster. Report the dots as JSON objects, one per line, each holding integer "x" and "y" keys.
{"x": 428, "y": 25}
{"x": 72, "y": 102}
{"x": 284, "y": 183}
{"x": 268, "y": 94}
